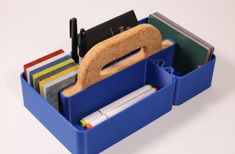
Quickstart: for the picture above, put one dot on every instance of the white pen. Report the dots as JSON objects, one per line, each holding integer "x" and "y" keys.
{"x": 130, "y": 103}
{"x": 114, "y": 104}
{"x": 120, "y": 108}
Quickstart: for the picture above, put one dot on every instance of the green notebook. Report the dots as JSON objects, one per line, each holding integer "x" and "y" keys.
{"x": 190, "y": 52}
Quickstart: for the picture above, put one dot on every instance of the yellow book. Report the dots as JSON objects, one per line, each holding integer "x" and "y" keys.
{"x": 49, "y": 69}
{"x": 54, "y": 77}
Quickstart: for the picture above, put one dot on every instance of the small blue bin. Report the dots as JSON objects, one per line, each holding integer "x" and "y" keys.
{"x": 156, "y": 70}
{"x": 190, "y": 84}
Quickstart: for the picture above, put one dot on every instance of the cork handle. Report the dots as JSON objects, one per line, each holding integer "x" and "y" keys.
{"x": 143, "y": 36}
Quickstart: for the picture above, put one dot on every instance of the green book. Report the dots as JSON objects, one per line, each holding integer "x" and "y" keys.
{"x": 190, "y": 52}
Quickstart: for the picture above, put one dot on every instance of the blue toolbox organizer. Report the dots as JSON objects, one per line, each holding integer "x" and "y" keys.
{"x": 156, "y": 70}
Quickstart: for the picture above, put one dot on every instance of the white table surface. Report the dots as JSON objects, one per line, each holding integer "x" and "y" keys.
{"x": 204, "y": 125}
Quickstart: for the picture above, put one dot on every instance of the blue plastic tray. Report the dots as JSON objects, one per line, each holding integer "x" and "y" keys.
{"x": 156, "y": 70}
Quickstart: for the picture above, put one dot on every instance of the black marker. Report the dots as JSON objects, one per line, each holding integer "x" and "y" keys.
{"x": 74, "y": 38}
{"x": 82, "y": 43}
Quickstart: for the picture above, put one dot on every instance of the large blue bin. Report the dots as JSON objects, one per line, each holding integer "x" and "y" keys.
{"x": 156, "y": 70}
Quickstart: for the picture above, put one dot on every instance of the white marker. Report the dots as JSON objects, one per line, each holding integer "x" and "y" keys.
{"x": 117, "y": 110}
{"x": 130, "y": 103}
{"x": 114, "y": 104}
{"x": 126, "y": 98}
{"x": 91, "y": 117}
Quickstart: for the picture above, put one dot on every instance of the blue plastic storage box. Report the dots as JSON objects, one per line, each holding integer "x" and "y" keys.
{"x": 156, "y": 70}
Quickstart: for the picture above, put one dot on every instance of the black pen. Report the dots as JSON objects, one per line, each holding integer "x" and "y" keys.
{"x": 82, "y": 43}
{"x": 74, "y": 38}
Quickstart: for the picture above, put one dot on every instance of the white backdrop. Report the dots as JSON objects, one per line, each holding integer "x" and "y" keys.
{"x": 30, "y": 29}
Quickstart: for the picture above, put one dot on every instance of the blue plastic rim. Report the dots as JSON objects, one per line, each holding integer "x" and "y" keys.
{"x": 156, "y": 70}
